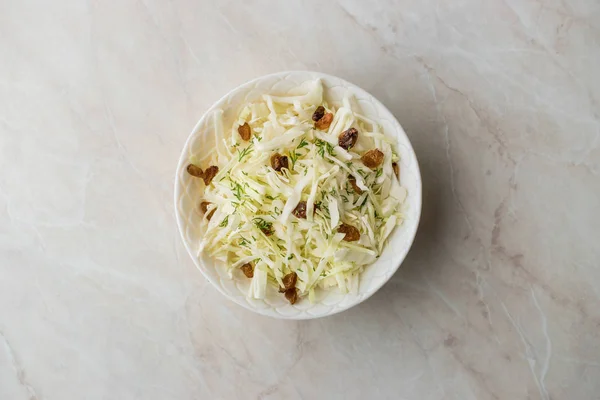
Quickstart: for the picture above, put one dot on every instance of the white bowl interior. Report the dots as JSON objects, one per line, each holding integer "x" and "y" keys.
{"x": 188, "y": 193}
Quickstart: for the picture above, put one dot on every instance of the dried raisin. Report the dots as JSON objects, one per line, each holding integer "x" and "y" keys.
{"x": 291, "y": 295}
{"x": 372, "y": 158}
{"x": 194, "y": 170}
{"x": 278, "y": 162}
{"x": 289, "y": 281}
{"x": 352, "y": 234}
{"x": 245, "y": 131}
{"x": 209, "y": 174}
{"x": 318, "y": 114}
{"x": 300, "y": 210}
{"x": 323, "y": 123}
{"x": 352, "y": 181}
{"x": 348, "y": 138}
{"x": 248, "y": 270}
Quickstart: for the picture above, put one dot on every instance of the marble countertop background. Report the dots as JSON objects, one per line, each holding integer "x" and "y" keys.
{"x": 498, "y": 299}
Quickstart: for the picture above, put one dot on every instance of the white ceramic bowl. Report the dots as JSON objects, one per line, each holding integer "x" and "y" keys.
{"x": 188, "y": 194}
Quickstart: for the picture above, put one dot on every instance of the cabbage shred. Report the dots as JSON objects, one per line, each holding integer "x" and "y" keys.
{"x": 254, "y": 221}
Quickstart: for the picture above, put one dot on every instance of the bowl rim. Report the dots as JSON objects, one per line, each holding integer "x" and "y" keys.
{"x": 303, "y": 316}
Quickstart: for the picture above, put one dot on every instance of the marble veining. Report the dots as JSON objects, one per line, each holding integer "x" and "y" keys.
{"x": 498, "y": 299}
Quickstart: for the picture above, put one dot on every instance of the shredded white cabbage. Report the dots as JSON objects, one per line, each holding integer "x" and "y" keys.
{"x": 253, "y": 220}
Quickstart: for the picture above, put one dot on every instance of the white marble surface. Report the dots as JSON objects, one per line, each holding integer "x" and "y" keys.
{"x": 499, "y": 298}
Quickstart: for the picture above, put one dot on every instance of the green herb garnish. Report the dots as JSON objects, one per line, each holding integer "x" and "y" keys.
{"x": 323, "y": 146}
{"x": 245, "y": 152}
{"x": 265, "y": 226}
{"x": 302, "y": 144}
{"x": 293, "y": 157}
{"x": 238, "y": 190}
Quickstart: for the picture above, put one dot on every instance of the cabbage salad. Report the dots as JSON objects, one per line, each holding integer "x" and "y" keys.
{"x": 298, "y": 194}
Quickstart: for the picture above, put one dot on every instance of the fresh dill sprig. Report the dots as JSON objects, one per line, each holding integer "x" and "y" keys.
{"x": 244, "y": 241}
{"x": 263, "y": 225}
{"x": 238, "y": 190}
{"x": 224, "y": 223}
{"x": 323, "y": 146}
{"x": 243, "y": 153}
{"x": 302, "y": 144}
{"x": 293, "y": 157}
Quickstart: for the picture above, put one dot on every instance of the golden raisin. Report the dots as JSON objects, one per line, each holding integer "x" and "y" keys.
{"x": 194, "y": 170}
{"x": 300, "y": 210}
{"x": 291, "y": 295}
{"x": 352, "y": 234}
{"x": 318, "y": 114}
{"x": 204, "y": 208}
{"x": 372, "y": 158}
{"x": 323, "y": 123}
{"x": 289, "y": 281}
{"x": 209, "y": 174}
{"x": 348, "y": 138}
{"x": 248, "y": 270}
{"x": 352, "y": 181}
{"x": 278, "y": 162}
{"x": 396, "y": 169}
{"x": 210, "y": 214}
{"x": 245, "y": 131}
